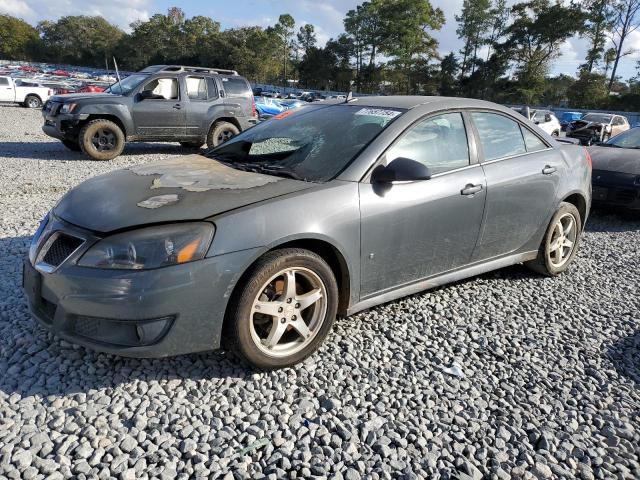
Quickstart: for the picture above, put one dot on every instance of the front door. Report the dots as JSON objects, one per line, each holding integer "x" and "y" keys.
{"x": 415, "y": 230}
{"x": 161, "y": 114}
{"x": 6, "y": 90}
{"x": 522, "y": 173}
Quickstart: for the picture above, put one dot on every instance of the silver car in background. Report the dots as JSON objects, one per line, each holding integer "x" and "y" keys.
{"x": 326, "y": 210}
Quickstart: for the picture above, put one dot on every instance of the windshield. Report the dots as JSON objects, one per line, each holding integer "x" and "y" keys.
{"x": 314, "y": 144}
{"x": 628, "y": 139}
{"x": 126, "y": 85}
{"x": 597, "y": 118}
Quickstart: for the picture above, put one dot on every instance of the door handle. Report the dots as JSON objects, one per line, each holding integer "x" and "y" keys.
{"x": 177, "y": 106}
{"x": 548, "y": 170}
{"x": 471, "y": 189}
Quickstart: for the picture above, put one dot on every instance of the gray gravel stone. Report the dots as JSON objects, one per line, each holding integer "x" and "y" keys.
{"x": 549, "y": 386}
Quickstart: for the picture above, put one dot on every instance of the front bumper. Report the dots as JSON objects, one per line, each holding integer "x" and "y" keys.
{"x": 63, "y": 126}
{"x": 153, "y": 313}
{"x": 616, "y": 189}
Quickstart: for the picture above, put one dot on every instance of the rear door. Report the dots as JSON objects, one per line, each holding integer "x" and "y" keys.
{"x": 7, "y": 93}
{"x": 202, "y": 93}
{"x": 414, "y": 230}
{"x": 164, "y": 115}
{"x": 522, "y": 173}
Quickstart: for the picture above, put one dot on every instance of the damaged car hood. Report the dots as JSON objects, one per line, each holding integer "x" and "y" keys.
{"x": 623, "y": 160}
{"x": 180, "y": 188}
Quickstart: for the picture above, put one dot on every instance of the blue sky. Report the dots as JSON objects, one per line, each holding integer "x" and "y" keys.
{"x": 325, "y": 15}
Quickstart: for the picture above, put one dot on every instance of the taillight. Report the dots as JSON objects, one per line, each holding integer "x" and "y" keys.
{"x": 589, "y": 160}
{"x": 254, "y": 111}
{"x": 50, "y": 92}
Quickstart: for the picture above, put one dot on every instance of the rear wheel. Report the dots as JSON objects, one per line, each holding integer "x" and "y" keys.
{"x": 71, "y": 145}
{"x": 556, "y": 133}
{"x": 284, "y": 310}
{"x": 101, "y": 139}
{"x": 560, "y": 243}
{"x": 32, "y": 101}
{"x": 221, "y": 132}
{"x": 192, "y": 144}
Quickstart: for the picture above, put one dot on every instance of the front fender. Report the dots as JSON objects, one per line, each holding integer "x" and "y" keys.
{"x": 119, "y": 112}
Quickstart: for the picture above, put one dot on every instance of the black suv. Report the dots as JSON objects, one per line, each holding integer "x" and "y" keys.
{"x": 162, "y": 103}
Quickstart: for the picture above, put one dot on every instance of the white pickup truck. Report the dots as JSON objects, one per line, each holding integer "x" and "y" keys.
{"x": 27, "y": 96}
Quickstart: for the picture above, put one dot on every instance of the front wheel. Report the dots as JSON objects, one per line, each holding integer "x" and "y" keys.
{"x": 220, "y": 133}
{"x": 101, "y": 139}
{"x": 284, "y": 310}
{"x": 560, "y": 243}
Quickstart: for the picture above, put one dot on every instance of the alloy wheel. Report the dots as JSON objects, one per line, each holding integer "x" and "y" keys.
{"x": 288, "y": 312}
{"x": 224, "y": 136}
{"x": 104, "y": 140}
{"x": 563, "y": 240}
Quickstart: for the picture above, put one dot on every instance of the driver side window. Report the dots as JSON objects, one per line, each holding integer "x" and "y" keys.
{"x": 439, "y": 142}
{"x": 167, "y": 88}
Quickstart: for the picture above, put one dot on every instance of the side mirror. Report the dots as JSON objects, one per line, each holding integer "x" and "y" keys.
{"x": 401, "y": 170}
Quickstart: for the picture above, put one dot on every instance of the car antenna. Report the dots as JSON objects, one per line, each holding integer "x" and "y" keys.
{"x": 115, "y": 64}
{"x": 350, "y": 98}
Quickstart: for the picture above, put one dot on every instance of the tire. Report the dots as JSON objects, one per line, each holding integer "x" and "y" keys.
{"x": 192, "y": 144}
{"x": 101, "y": 139}
{"x": 71, "y": 145}
{"x": 549, "y": 262}
{"x": 220, "y": 132}
{"x": 555, "y": 134}
{"x": 32, "y": 101}
{"x": 294, "y": 331}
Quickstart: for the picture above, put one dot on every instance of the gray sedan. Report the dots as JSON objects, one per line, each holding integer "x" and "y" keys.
{"x": 326, "y": 210}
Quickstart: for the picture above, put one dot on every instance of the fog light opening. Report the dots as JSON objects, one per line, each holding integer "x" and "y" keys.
{"x": 140, "y": 333}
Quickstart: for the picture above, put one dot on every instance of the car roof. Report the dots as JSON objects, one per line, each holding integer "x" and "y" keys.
{"x": 414, "y": 101}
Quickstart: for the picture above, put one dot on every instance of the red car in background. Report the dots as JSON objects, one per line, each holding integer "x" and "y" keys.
{"x": 91, "y": 89}
{"x": 61, "y": 73}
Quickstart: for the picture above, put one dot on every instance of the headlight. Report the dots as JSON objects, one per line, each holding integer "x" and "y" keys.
{"x": 68, "y": 107}
{"x": 152, "y": 247}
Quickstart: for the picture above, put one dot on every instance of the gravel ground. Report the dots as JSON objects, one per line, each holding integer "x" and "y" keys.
{"x": 508, "y": 375}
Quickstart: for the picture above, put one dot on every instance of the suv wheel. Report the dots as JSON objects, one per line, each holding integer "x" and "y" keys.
{"x": 101, "y": 139}
{"x": 32, "y": 102}
{"x": 284, "y": 310}
{"x": 192, "y": 144}
{"x": 221, "y": 132}
{"x": 560, "y": 243}
{"x": 71, "y": 145}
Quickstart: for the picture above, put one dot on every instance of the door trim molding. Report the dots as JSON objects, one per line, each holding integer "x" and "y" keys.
{"x": 441, "y": 279}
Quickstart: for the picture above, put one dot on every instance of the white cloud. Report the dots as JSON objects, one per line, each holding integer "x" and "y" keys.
{"x": 119, "y": 12}
{"x": 17, "y": 8}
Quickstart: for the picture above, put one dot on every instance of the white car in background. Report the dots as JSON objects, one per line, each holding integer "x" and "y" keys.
{"x": 16, "y": 91}
{"x": 547, "y": 121}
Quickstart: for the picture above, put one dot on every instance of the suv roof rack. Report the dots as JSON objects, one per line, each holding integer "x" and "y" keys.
{"x": 184, "y": 68}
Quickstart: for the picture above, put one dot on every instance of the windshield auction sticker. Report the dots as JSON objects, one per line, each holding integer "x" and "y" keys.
{"x": 378, "y": 112}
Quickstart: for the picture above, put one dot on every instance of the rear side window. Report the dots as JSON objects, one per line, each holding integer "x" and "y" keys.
{"x": 438, "y": 142}
{"x": 4, "y": 81}
{"x": 197, "y": 88}
{"x": 532, "y": 142}
{"x": 500, "y": 136}
{"x": 235, "y": 86}
{"x": 213, "y": 88}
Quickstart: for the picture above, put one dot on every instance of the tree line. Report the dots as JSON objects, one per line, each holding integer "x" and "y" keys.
{"x": 388, "y": 46}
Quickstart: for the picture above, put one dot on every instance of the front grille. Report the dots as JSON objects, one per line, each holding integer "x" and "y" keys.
{"x": 60, "y": 249}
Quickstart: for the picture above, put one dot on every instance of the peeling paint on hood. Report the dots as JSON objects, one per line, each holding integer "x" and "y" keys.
{"x": 159, "y": 201}
{"x": 196, "y": 173}
{"x": 181, "y": 189}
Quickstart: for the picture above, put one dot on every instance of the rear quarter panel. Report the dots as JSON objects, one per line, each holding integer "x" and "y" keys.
{"x": 578, "y": 177}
